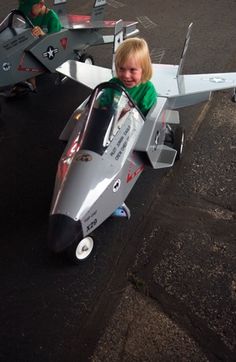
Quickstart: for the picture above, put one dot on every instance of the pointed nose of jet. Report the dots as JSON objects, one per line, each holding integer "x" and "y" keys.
{"x": 63, "y": 231}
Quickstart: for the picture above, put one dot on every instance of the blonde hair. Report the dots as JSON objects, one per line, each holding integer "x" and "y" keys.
{"x": 137, "y": 48}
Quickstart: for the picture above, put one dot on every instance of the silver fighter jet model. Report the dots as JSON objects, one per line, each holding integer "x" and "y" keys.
{"x": 23, "y": 56}
{"x": 109, "y": 143}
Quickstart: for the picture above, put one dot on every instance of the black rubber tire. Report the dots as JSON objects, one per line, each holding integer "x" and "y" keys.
{"x": 233, "y": 99}
{"x": 179, "y": 139}
{"x": 86, "y": 58}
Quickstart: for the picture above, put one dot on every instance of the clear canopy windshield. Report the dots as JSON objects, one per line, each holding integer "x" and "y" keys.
{"x": 15, "y": 20}
{"x": 109, "y": 107}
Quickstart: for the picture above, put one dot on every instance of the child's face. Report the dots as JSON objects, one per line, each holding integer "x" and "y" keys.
{"x": 130, "y": 73}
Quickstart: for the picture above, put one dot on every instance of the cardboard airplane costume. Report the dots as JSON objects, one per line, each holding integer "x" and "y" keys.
{"x": 108, "y": 149}
{"x": 23, "y": 56}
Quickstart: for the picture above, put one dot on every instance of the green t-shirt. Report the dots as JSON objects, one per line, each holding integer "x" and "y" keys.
{"x": 144, "y": 95}
{"x": 49, "y": 20}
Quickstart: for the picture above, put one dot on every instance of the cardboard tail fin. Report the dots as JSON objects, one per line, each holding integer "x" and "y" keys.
{"x": 98, "y": 10}
{"x": 183, "y": 55}
{"x": 118, "y": 39}
{"x": 60, "y": 8}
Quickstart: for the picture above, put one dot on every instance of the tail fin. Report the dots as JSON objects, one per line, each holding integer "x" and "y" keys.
{"x": 98, "y": 10}
{"x": 118, "y": 39}
{"x": 59, "y": 7}
{"x": 186, "y": 43}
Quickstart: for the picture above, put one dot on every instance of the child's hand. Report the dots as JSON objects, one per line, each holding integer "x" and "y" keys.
{"x": 37, "y": 31}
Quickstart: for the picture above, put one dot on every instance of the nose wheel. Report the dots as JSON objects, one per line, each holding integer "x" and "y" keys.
{"x": 80, "y": 250}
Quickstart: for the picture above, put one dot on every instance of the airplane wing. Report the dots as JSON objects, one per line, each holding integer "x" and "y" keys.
{"x": 169, "y": 84}
{"x": 165, "y": 79}
{"x": 198, "y": 83}
{"x": 86, "y": 74}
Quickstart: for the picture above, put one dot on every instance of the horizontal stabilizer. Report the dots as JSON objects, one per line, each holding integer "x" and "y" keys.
{"x": 73, "y": 21}
{"x": 86, "y": 74}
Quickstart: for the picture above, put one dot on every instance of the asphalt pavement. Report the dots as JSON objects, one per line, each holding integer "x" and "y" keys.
{"x": 180, "y": 303}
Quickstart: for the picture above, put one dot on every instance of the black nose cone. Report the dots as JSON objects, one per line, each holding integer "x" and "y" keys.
{"x": 63, "y": 231}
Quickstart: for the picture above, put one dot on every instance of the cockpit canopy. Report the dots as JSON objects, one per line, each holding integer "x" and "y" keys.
{"x": 13, "y": 24}
{"x": 107, "y": 109}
